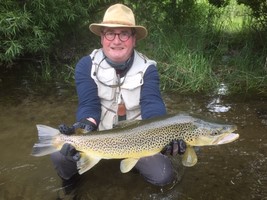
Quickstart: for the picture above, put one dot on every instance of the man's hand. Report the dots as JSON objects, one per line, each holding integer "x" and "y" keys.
{"x": 174, "y": 148}
{"x": 70, "y": 152}
{"x": 84, "y": 124}
{"x": 67, "y": 149}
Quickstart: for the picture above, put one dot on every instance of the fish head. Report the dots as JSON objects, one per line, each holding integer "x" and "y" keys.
{"x": 205, "y": 133}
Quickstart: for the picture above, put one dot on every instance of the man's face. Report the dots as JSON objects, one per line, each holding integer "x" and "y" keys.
{"x": 121, "y": 47}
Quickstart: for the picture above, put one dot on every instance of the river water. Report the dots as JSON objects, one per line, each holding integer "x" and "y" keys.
{"x": 232, "y": 171}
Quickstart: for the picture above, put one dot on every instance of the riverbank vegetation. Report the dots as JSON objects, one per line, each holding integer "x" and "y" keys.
{"x": 198, "y": 44}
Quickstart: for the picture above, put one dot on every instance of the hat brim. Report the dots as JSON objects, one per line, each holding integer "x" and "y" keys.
{"x": 141, "y": 31}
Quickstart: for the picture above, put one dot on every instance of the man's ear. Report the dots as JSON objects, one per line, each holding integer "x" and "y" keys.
{"x": 101, "y": 40}
{"x": 134, "y": 42}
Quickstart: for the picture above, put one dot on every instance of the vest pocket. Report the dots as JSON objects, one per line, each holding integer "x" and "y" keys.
{"x": 108, "y": 118}
{"x": 131, "y": 98}
{"x": 130, "y": 90}
{"x": 105, "y": 83}
{"x": 106, "y": 94}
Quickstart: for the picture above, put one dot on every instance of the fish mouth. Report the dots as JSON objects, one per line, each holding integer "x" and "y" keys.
{"x": 227, "y": 138}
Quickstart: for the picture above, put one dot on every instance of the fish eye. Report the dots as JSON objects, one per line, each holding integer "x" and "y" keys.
{"x": 215, "y": 132}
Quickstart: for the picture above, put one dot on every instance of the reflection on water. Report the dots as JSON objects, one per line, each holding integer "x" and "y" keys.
{"x": 233, "y": 171}
{"x": 216, "y": 103}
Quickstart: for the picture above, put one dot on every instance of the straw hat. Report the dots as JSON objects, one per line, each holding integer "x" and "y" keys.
{"x": 119, "y": 15}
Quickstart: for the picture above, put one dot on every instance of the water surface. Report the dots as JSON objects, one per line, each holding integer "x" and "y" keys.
{"x": 232, "y": 171}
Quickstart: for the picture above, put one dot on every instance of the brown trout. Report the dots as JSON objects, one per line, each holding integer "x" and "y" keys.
{"x": 140, "y": 139}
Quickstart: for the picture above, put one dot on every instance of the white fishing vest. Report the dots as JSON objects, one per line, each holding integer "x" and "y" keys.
{"x": 113, "y": 90}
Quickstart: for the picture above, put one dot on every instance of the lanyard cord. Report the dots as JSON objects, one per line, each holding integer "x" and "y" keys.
{"x": 111, "y": 86}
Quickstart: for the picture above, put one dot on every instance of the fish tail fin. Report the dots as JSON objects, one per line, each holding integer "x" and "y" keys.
{"x": 46, "y": 137}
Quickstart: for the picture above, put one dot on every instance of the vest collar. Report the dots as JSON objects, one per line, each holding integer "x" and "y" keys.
{"x": 121, "y": 68}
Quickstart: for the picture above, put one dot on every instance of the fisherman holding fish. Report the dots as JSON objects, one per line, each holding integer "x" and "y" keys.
{"x": 114, "y": 83}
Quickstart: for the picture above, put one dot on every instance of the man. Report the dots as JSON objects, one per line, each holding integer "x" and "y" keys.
{"x": 115, "y": 83}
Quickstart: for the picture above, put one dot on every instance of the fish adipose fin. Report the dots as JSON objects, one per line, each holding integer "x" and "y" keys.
{"x": 127, "y": 164}
{"x": 46, "y": 136}
{"x": 86, "y": 162}
{"x": 190, "y": 157}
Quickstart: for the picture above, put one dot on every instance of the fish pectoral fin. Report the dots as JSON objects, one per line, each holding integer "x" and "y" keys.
{"x": 190, "y": 157}
{"x": 86, "y": 162}
{"x": 127, "y": 164}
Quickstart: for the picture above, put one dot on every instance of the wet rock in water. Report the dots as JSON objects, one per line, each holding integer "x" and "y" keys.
{"x": 262, "y": 114}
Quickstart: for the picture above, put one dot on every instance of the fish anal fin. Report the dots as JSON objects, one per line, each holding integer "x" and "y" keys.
{"x": 190, "y": 157}
{"x": 86, "y": 162}
{"x": 127, "y": 164}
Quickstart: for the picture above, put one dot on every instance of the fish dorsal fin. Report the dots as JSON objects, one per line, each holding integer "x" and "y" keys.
{"x": 190, "y": 157}
{"x": 86, "y": 162}
{"x": 127, "y": 164}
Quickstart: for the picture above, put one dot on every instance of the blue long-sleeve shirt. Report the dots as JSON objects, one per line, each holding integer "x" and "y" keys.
{"x": 89, "y": 105}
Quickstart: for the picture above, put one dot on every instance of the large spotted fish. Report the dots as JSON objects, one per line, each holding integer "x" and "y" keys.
{"x": 140, "y": 139}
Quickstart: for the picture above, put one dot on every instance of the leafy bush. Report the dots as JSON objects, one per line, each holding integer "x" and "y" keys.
{"x": 197, "y": 43}
{"x": 37, "y": 27}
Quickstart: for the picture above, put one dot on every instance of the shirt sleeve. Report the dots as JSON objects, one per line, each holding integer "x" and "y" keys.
{"x": 151, "y": 102}
{"x": 88, "y": 100}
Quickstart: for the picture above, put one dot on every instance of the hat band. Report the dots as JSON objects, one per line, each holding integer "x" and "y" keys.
{"x": 117, "y": 22}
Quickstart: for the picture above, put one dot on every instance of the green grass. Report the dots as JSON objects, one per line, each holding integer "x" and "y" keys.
{"x": 198, "y": 57}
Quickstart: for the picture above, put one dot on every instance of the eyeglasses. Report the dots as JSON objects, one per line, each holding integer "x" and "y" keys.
{"x": 123, "y": 36}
